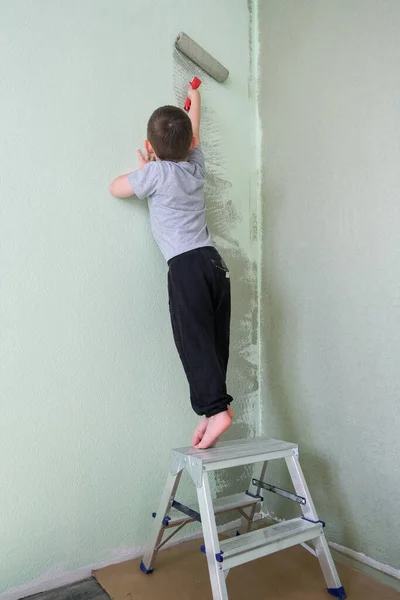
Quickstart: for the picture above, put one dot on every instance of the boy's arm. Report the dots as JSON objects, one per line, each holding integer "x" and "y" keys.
{"x": 121, "y": 186}
{"x": 195, "y": 113}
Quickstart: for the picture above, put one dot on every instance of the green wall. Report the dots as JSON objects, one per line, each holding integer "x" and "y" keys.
{"x": 331, "y": 261}
{"x": 92, "y": 393}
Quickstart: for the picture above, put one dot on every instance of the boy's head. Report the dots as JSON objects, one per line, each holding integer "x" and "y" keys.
{"x": 170, "y": 133}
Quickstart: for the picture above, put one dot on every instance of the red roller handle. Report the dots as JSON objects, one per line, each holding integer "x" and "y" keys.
{"x": 195, "y": 83}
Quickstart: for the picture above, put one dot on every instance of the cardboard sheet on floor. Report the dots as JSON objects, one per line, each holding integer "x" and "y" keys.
{"x": 181, "y": 574}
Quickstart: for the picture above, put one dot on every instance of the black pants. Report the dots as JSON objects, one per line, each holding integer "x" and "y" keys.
{"x": 200, "y": 307}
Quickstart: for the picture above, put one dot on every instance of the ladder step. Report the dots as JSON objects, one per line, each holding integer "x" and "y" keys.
{"x": 232, "y": 454}
{"x": 247, "y": 547}
{"x": 225, "y": 504}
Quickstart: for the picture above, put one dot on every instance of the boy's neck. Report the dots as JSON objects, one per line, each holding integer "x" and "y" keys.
{"x": 175, "y": 160}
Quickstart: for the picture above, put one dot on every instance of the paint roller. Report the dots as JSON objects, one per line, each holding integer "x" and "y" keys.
{"x": 202, "y": 59}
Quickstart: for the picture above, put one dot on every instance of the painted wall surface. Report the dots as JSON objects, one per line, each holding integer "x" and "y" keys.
{"x": 92, "y": 393}
{"x": 331, "y": 260}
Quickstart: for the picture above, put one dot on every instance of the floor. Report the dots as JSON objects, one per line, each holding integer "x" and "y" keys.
{"x": 88, "y": 589}
{"x": 181, "y": 573}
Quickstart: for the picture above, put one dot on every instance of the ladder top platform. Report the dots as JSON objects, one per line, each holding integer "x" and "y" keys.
{"x": 236, "y": 452}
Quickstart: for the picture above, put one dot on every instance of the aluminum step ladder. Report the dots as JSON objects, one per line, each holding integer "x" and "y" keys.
{"x": 229, "y": 553}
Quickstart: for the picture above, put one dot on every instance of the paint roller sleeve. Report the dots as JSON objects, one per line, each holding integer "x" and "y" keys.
{"x": 200, "y": 57}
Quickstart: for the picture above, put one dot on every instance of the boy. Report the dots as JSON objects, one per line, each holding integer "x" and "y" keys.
{"x": 171, "y": 176}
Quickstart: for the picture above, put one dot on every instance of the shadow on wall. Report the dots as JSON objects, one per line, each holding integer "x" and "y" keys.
{"x": 222, "y": 217}
{"x": 282, "y": 417}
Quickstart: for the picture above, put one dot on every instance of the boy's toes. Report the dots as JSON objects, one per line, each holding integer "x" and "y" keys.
{"x": 217, "y": 425}
{"x": 197, "y": 437}
{"x": 199, "y": 431}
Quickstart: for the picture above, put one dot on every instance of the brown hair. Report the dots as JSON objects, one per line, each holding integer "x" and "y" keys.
{"x": 170, "y": 133}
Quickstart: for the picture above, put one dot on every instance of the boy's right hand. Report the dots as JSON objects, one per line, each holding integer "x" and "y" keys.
{"x": 143, "y": 160}
{"x": 194, "y": 112}
{"x": 191, "y": 93}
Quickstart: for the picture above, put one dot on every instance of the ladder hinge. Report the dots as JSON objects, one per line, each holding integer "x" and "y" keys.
{"x": 193, "y": 514}
{"x": 311, "y": 521}
{"x": 278, "y": 491}
{"x": 254, "y": 495}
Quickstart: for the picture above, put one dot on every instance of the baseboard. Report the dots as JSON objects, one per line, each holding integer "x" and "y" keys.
{"x": 385, "y": 573}
{"x": 54, "y": 579}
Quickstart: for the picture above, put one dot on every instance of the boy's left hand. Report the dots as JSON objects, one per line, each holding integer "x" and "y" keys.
{"x": 143, "y": 160}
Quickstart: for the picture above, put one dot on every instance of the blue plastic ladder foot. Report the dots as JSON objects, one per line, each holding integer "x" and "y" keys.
{"x": 145, "y": 569}
{"x": 338, "y": 593}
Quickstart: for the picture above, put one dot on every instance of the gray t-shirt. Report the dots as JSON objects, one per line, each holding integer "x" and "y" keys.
{"x": 176, "y": 202}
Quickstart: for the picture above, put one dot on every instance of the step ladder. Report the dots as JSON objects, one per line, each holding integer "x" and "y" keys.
{"x": 229, "y": 553}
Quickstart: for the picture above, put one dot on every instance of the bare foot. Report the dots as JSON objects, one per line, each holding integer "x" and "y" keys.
{"x": 215, "y": 428}
{"x": 230, "y": 413}
{"x": 200, "y": 431}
